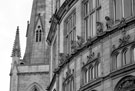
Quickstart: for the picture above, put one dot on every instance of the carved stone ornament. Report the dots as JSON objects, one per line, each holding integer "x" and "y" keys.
{"x": 68, "y": 73}
{"x": 73, "y": 45}
{"x": 89, "y": 39}
{"x": 125, "y": 39}
{"x": 80, "y": 41}
{"x": 91, "y": 55}
{"x": 126, "y": 84}
{"x": 109, "y": 22}
{"x": 113, "y": 47}
{"x": 99, "y": 28}
{"x": 61, "y": 57}
{"x": 122, "y": 23}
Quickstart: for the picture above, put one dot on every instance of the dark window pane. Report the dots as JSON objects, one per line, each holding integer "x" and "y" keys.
{"x": 127, "y": 8}
{"x": 37, "y": 36}
{"x": 118, "y": 64}
{"x": 40, "y": 35}
{"x": 118, "y": 12}
{"x": 134, "y": 7}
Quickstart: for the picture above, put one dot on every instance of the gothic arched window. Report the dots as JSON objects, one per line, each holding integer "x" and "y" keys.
{"x": 116, "y": 60}
{"x": 89, "y": 73}
{"x": 86, "y": 75}
{"x": 40, "y": 35}
{"x": 125, "y": 57}
{"x": 37, "y": 36}
{"x": 97, "y": 70}
{"x": 92, "y": 73}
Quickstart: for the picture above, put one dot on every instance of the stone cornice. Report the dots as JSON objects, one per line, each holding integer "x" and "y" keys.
{"x": 65, "y": 7}
{"x": 33, "y": 69}
{"x": 122, "y": 71}
{"x": 54, "y": 21}
{"x": 30, "y": 73}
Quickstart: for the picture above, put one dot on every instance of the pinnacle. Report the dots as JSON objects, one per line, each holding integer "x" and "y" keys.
{"x": 16, "y": 48}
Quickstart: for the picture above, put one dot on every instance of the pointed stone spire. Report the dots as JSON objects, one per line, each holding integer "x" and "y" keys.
{"x": 16, "y": 52}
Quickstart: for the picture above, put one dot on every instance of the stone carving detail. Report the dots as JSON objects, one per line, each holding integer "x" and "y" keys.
{"x": 89, "y": 39}
{"x": 73, "y": 45}
{"x": 122, "y": 21}
{"x": 62, "y": 58}
{"x": 126, "y": 84}
{"x": 69, "y": 73}
{"x": 80, "y": 41}
{"x": 91, "y": 55}
{"x": 113, "y": 47}
{"x": 125, "y": 39}
{"x": 99, "y": 28}
{"x": 109, "y": 22}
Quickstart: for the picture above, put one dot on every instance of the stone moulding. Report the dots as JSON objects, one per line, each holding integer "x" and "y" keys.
{"x": 51, "y": 83}
{"x": 114, "y": 49}
{"x": 54, "y": 21}
{"x": 65, "y": 7}
{"x": 91, "y": 84}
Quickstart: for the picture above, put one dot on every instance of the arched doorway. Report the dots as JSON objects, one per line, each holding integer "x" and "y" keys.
{"x": 126, "y": 84}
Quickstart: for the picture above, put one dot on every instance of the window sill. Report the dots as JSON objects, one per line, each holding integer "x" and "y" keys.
{"x": 123, "y": 70}
{"x": 92, "y": 83}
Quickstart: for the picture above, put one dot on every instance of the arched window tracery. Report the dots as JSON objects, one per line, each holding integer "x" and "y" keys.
{"x": 39, "y": 34}
{"x": 126, "y": 84}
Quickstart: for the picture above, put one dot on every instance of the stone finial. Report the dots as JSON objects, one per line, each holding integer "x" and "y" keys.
{"x": 80, "y": 41}
{"x": 109, "y": 22}
{"x": 16, "y": 48}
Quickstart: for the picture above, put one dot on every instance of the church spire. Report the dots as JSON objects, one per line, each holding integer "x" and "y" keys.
{"x": 16, "y": 52}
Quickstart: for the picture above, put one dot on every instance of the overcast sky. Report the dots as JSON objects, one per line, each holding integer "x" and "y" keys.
{"x": 13, "y": 13}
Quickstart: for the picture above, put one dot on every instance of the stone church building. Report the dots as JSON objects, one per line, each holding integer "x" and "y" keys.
{"x": 32, "y": 72}
{"x": 77, "y": 45}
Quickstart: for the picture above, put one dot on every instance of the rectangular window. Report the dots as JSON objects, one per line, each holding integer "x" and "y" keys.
{"x": 91, "y": 14}
{"x": 69, "y": 32}
{"x": 123, "y": 8}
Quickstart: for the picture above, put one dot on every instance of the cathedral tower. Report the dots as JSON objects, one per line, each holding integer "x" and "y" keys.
{"x": 32, "y": 72}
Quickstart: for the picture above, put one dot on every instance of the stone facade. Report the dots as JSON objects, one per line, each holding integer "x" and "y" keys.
{"x": 104, "y": 61}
